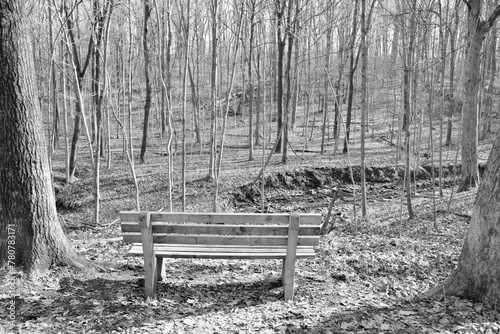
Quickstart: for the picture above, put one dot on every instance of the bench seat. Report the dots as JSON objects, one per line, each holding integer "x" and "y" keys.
{"x": 223, "y": 252}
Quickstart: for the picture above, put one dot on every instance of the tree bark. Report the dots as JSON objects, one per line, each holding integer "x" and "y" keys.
{"x": 477, "y": 275}
{"x": 53, "y": 77}
{"x": 252, "y": 13}
{"x": 490, "y": 91}
{"x": 352, "y": 69}
{"x": 291, "y": 32}
{"x": 30, "y": 233}
{"x": 281, "y": 41}
{"x": 453, "y": 56}
{"x": 213, "y": 88}
{"x": 326, "y": 86}
{"x": 364, "y": 78}
{"x": 407, "y": 72}
{"x": 185, "y": 31}
{"x": 477, "y": 30}
{"x": 147, "y": 105}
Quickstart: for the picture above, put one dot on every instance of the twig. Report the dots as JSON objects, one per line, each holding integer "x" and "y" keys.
{"x": 327, "y": 227}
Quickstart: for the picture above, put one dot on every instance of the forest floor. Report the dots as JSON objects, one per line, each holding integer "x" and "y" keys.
{"x": 368, "y": 275}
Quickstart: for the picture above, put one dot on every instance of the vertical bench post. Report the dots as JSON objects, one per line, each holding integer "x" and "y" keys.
{"x": 150, "y": 276}
{"x": 291, "y": 254}
{"x": 160, "y": 269}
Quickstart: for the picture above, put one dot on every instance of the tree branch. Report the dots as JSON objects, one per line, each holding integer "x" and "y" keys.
{"x": 494, "y": 16}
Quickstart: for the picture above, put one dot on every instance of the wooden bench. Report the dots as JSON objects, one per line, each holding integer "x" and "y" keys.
{"x": 158, "y": 235}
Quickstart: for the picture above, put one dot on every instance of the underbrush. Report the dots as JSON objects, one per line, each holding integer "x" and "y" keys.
{"x": 367, "y": 277}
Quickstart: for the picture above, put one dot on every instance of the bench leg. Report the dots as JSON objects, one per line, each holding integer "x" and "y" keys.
{"x": 287, "y": 279}
{"x": 149, "y": 255}
{"x": 150, "y": 277}
{"x": 160, "y": 269}
{"x": 291, "y": 255}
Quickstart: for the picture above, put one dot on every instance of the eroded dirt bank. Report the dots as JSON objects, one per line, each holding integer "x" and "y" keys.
{"x": 308, "y": 189}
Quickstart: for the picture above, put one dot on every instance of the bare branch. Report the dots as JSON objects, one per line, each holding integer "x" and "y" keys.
{"x": 494, "y": 16}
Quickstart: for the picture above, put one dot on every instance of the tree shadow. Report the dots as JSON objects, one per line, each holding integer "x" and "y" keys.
{"x": 445, "y": 315}
{"x": 103, "y": 304}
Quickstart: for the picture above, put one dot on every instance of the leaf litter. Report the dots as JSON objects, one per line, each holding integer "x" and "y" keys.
{"x": 366, "y": 278}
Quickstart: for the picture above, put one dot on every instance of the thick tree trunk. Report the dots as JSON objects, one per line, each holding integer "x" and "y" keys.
{"x": 30, "y": 234}
{"x": 490, "y": 91}
{"x": 477, "y": 274}
{"x": 477, "y": 29}
{"x": 470, "y": 174}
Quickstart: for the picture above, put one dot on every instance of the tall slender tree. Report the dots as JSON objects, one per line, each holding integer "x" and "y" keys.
{"x": 353, "y": 64}
{"x": 214, "y": 11}
{"x": 252, "y": 13}
{"x": 147, "y": 104}
{"x": 80, "y": 66}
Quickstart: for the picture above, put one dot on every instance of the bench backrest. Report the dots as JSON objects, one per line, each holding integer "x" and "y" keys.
{"x": 221, "y": 228}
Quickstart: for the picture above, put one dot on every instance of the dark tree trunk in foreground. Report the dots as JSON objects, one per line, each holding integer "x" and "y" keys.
{"x": 478, "y": 271}
{"x": 30, "y": 234}
{"x": 477, "y": 30}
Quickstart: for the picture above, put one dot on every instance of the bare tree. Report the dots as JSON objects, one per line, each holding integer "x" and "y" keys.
{"x": 80, "y": 68}
{"x": 408, "y": 56}
{"x": 353, "y": 63}
{"x": 326, "y": 95}
{"x": 252, "y": 23}
{"x": 231, "y": 72}
{"x": 364, "y": 65}
{"x": 185, "y": 40}
{"x": 477, "y": 29}
{"x": 147, "y": 105}
{"x": 453, "y": 56}
{"x": 214, "y": 10}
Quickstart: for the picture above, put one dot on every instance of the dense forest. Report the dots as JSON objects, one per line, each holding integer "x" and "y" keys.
{"x": 383, "y": 116}
{"x": 168, "y": 77}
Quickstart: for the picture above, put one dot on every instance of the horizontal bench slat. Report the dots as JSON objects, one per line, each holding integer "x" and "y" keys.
{"x": 188, "y": 251}
{"x": 190, "y": 228}
{"x": 220, "y": 218}
{"x": 310, "y": 219}
{"x": 221, "y": 240}
{"x": 137, "y": 248}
